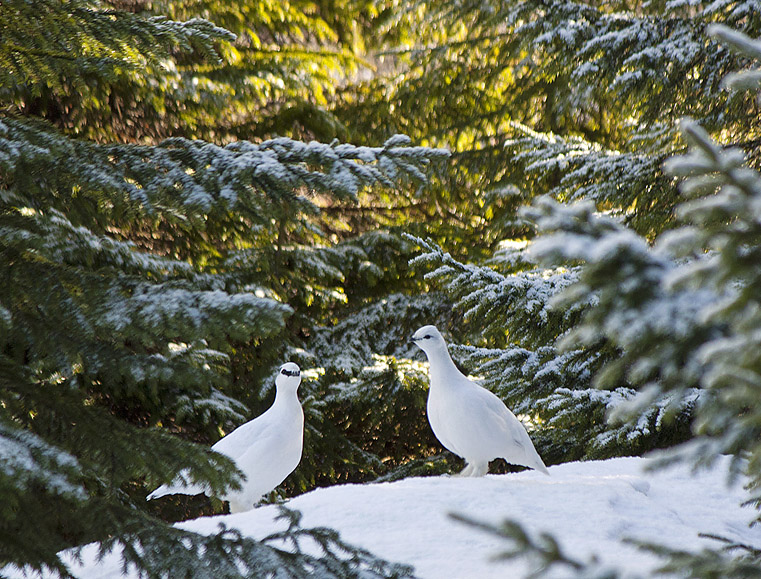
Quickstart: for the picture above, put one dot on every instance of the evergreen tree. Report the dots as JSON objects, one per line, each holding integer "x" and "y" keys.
{"x": 273, "y": 70}
{"x": 684, "y": 314}
{"x": 137, "y": 274}
{"x": 579, "y": 101}
{"x": 166, "y": 244}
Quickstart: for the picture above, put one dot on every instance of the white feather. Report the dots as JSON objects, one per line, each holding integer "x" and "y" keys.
{"x": 468, "y": 419}
{"x": 266, "y": 449}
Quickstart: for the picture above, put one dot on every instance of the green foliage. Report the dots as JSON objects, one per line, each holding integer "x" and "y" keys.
{"x": 81, "y": 40}
{"x": 578, "y": 102}
{"x": 147, "y": 286}
{"x": 574, "y": 99}
{"x": 541, "y": 550}
{"x": 143, "y": 71}
{"x": 165, "y": 244}
{"x": 732, "y": 560}
{"x": 369, "y": 397}
{"x": 682, "y": 314}
{"x": 523, "y": 335}
{"x": 169, "y": 551}
{"x": 547, "y": 557}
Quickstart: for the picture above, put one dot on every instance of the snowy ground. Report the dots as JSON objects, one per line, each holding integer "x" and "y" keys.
{"x": 588, "y": 506}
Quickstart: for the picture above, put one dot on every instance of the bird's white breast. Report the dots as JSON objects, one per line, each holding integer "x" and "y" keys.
{"x": 274, "y": 454}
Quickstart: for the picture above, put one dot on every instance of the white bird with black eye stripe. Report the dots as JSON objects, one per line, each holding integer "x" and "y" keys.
{"x": 266, "y": 449}
{"x": 468, "y": 419}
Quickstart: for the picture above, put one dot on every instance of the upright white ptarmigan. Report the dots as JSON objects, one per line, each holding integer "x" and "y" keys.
{"x": 468, "y": 419}
{"x": 266, "y": 449}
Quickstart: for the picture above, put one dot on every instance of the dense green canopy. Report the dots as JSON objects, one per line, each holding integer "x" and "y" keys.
{"x": 194, "y": 192}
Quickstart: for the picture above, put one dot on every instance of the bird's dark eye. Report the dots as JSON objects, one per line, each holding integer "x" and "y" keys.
{"x": 427, "y": 337}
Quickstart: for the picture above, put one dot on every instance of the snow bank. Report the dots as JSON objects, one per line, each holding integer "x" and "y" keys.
{"x": 588, "y": 506}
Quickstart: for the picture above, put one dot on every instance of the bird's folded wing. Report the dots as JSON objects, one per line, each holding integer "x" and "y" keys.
{"x": 440, "y": 430}
{"x": 521, "y": 450}
{"x": 240, "y": 439}
{"x": 525, "y": 451}
{"x": 234, "y": 445}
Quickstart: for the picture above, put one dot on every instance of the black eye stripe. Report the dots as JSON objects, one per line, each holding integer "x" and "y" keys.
{"x": 290, "y": 372}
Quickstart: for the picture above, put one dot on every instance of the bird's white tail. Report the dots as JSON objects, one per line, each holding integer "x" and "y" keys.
{"x": 175, "y": 489}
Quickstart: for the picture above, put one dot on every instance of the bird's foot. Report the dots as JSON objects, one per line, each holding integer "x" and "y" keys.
{"x": 467, "y": 471}
{"x": 480, "y": 469}
{"x": 474, "y": 470}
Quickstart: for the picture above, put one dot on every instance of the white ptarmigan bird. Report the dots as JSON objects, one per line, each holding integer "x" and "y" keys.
{"x": 266, "y": 449}
{"x": 468, "y": 419}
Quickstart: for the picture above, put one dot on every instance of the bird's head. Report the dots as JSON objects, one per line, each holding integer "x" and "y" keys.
{"x": 289, "y": 376}
{"x": 429, "y": 339}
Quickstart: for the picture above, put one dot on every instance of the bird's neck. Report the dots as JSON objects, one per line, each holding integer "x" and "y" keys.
{"x": 442, "y": 368}
{"x": 286, "y": 397}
